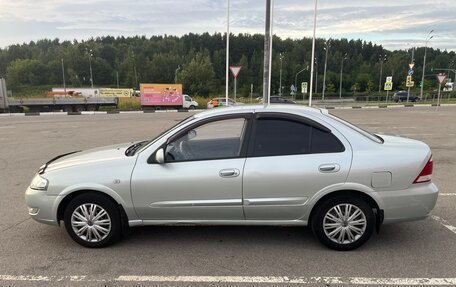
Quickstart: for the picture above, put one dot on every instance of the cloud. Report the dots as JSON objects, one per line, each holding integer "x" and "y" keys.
{"x": 389, "y": 23}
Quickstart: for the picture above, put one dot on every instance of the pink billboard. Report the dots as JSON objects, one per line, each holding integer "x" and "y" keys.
{"x": 161, "y": 94}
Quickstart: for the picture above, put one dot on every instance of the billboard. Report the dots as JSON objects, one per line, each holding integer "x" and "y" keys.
{"x": 117, "y": 93}
{"x": 161, "y": 94}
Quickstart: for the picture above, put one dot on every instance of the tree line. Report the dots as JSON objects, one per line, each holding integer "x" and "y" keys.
{"x": 198, "y": 62}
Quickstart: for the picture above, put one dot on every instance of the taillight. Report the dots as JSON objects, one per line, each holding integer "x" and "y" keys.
{"x": 426, "y": 174}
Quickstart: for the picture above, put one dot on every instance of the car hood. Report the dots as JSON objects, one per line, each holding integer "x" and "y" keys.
{"x": 91, "y": 156}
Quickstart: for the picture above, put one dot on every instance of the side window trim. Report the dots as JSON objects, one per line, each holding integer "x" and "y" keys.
{"x": 295, "y": 118}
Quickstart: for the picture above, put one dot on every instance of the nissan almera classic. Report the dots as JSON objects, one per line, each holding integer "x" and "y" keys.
{"x": 247, "y": 165}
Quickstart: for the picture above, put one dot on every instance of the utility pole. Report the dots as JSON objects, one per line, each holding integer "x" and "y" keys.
{"x": 326, "y": 48}
{"x": 316, "y": 76}
{"x": 117, "y": 74}
{"x": 382, "y": 58}
{"x": 227, "y": 52}
{"x": 313, "y": 52}
{"x": 429, "y": 37}
{"x": 280, "y": 81}
{"x": 412, "y": 61}
{"x": 267, "y": 51}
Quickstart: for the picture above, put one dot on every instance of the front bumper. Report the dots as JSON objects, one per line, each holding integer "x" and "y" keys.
{"x": 410, "y": 204}
{"x": 42, "y": 207}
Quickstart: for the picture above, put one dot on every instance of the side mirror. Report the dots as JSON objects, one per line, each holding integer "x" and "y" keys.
{"x": 160, "y": 156}
{"x": 191, "y": 134}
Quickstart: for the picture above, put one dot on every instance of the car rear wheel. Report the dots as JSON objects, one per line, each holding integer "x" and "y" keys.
{"x": 343, "y": 223}
{"x": 92, "y": 220}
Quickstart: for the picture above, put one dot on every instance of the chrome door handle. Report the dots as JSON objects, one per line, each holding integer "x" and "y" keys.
{"x": 232, "y": 172}
{"x": 332, "y": 167}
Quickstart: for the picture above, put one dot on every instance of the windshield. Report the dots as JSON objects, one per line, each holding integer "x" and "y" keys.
{"x": 369, "y": 135}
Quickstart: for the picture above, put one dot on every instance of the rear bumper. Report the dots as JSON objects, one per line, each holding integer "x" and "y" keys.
{"x": 410, "y": 204}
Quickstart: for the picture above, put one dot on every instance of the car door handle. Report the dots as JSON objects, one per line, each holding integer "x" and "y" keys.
{"x": 232, "y": 172}
{"x": 331, "y": 167}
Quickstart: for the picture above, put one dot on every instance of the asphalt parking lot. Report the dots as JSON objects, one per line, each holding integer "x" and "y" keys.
{"x": 415, "y": 253}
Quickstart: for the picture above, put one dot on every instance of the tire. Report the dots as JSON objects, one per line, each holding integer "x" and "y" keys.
{"x": 340, "y": 240}
{"x": 192, "y": 107}
{"x": 105, "y": 233}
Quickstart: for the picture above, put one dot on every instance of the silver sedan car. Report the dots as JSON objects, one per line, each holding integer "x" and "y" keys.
{"x": 247, "y": 165}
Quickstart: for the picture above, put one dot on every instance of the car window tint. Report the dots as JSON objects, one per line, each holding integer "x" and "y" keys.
{"x": 214, "y": 140}
{"x": 325, "y": 142}
{"x": 281, "y": 137}
{"x": 275, "y": 137}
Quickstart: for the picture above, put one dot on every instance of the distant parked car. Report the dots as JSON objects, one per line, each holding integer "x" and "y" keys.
{"x": 401, "y": 96}
{"x": 245, "y": 165}
{"x": 220, "y": 102}
{"x": 278, "y": 100}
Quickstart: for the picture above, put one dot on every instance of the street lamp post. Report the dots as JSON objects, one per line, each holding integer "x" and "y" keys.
{"x": 382, "y": 59}
{"x": 175, "y": 73}
{"x": 89, "y": 52}
{"x": 341, "y": 71}
{"x": 316, "y": 76}
{"x": 429, "y": 37}
{"x": 326, "y": 48}
{"x": 280, "y": 81}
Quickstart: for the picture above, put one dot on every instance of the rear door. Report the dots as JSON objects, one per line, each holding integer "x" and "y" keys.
{"x": 290, "y": 158}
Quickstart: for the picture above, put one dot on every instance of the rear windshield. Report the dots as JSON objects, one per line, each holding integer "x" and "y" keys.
{"x": 368, "y": 135}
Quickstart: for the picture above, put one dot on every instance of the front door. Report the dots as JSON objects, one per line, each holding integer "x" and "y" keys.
{"x": 201, "y": 178}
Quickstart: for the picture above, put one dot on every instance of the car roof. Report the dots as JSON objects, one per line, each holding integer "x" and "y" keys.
{"x": 296, "y": 109}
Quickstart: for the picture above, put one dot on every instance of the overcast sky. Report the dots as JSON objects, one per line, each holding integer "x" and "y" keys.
{"x": 395, "y": 24}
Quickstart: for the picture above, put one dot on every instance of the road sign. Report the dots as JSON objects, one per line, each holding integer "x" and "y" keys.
{"x": 304, "y": 87}
{"x": 235, "y": 70}
{"x": 410, "y": 72}
{"x": 441, "y": 78}
{"x": 411, "y": 65}
{"x": 389, "y": 79}
{"x": 388, "y": 86}
{"x": 409, "y": 83}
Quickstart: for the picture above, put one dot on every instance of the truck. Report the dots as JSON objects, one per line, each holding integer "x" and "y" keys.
{"x": 165, "y": 96}
{"x": 67, "y": 104}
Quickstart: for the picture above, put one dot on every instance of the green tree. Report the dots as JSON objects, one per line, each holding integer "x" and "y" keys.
{"x": 198, "y": 76}
{"x": 26, "y": 72}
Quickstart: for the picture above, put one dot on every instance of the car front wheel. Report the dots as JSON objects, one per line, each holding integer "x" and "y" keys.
{"x": 343, "y": 223}
{"x": 92, "y": 220}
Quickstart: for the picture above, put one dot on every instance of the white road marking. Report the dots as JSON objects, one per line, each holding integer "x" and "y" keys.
{"x": 444, "y": 223}
{"x": 241, "y": 279}
{"x": 447, "y": 194}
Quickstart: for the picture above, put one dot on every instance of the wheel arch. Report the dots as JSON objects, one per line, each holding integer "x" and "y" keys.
{"x": 70, "y": 196}
{"x": 370, "y": 200}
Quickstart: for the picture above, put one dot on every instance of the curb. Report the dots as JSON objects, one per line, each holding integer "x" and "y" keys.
{"x": 200, "y": 110}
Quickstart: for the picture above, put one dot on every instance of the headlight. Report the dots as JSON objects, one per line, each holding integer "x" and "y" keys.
{"x": 39, "y": 183}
